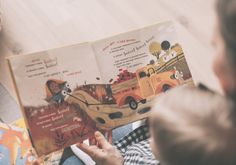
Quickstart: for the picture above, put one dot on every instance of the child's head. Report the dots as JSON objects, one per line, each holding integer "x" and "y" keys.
{"x": 224, "y": 41}
{"x": 190, "y": 126}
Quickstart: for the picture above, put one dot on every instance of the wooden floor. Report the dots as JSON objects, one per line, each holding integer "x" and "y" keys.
{"x": 33, "y": 25}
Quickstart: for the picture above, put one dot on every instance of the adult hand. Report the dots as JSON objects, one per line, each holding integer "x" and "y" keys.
{"x": 92, "y": 141}
{"x": 103, "y": 153}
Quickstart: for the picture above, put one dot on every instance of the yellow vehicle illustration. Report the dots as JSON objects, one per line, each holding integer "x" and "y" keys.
{"x": 152, "y": 84}
{"x": 146, "y": 84}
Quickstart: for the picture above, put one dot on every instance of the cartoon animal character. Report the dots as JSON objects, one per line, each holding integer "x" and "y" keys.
{"x": 57, "y": 90}
{"x": 179, "y": 75}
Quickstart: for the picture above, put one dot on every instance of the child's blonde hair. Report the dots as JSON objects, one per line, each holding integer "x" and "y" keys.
{"x": 194, "y": 127}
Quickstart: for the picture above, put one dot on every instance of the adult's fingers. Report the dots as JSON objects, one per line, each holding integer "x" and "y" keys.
{"x": 92, "y": 141}
{"x": 93, "y": 151}
{"x": 102, "y": 142}
{"x": 109, "y": 134}
{"x": 87, "y": 149}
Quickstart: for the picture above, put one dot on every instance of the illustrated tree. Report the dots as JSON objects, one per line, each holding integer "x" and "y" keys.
{"x": 155, "y": 49}
{"x": 165, "y": 45}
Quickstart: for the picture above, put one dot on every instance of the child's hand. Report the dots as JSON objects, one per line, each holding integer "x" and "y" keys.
{"x": 103, "y": 153}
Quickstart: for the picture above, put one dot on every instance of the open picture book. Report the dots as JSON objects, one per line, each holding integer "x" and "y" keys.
{"x": 68, "y": 93}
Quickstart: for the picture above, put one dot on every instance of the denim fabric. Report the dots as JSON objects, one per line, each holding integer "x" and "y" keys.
{"x": 73, "y": 160}
{"x": 121, "y": 132}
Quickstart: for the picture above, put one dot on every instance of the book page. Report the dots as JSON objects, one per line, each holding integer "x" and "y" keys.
{"x": 47, "y": 85}
{"x": 139, "y": 65}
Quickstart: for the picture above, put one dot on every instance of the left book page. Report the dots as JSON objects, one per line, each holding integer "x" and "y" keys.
{"x": 43, "y": 80}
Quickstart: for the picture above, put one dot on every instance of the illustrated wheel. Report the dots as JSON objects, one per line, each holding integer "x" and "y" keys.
{"x": 166, "y": 87}
{"x": 133, "y": 104}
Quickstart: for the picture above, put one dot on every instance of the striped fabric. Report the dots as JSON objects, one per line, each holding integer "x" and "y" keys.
{"x": 135, "y": 148}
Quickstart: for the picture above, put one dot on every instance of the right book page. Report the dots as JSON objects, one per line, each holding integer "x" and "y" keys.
{"x": 139, "y": 65}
